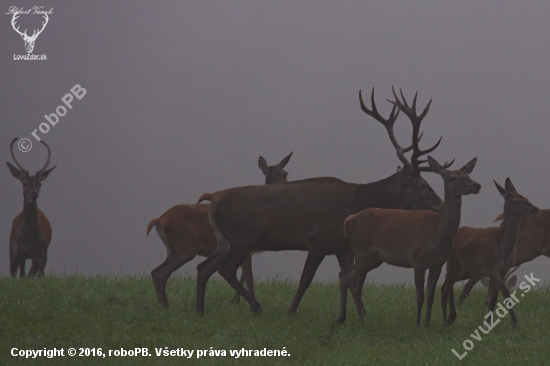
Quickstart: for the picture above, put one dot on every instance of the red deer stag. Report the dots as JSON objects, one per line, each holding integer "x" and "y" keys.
{"x": 479, "y": 252}
{"x": 533, "y": 241}
{"x": 31, "y": 232}
{"x": 412, "y": 239}
{"x": 308, "y": 214}
{"x": 186, "y": 233}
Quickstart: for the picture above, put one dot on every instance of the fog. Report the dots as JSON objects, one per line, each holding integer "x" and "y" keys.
{"x": 182, "y": 98}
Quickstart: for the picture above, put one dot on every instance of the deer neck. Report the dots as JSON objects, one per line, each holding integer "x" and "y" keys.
{"x": 30, "y": 217}
{"x": 449, "y": 219}
{"x": 509, "y": 233}
{"x": 380, "y": 194}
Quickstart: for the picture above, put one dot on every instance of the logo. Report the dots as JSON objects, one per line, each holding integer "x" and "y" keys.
{"x": 29, "y": 39}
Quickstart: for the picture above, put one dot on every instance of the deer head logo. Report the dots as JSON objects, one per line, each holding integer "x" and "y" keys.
{"x": 29, "y": 40}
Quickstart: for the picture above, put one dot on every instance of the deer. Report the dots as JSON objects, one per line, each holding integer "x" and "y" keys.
{"x": 308, "y": 215}
{"x": 480, "y": 252}
{"x": 29, "y": 40}
{"x": 411, "y": 239}
{"x": 186, "y": 232}
{"x": 533, "y": 241}
{"x": 31, "y": 231}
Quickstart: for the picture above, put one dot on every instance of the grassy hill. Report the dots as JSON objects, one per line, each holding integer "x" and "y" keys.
{"x": 114, "y": 313}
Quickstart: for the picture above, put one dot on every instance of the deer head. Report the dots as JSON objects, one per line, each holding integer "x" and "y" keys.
{"x": 275, "y": 173}
{"x": 29, "y": 40}
{"x": 414, "y": 191}
{"x": 31, "y": 184}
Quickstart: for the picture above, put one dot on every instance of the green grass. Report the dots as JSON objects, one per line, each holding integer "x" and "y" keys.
{"x": 122, "y": 312}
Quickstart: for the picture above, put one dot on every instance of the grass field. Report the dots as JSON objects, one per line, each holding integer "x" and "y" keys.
{"x": 122, "y": 312}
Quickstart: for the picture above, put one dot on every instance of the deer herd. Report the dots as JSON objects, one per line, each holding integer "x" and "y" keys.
{"x": 398, "y": 220}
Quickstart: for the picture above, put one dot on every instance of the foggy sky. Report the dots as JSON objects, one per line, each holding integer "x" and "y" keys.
{"x": 182, "y": 98}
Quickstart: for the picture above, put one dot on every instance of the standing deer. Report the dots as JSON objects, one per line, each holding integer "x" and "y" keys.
{"x": 186, "y": 233}
{"x": 479, "y": 252}
{"x": 411, "y": 239}
{"x": 533, "y": 241}
{"x": 31, "y": 232}
{"x": 309, "y": 214}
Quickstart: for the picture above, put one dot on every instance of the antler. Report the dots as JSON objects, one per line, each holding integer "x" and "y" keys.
{"x": 13, "y": 19}
{"x": 35, "y": 34}
{"x": 388, "y": 123}
{"x": 13, "y": 155}
{"x": 416, "y": 120}
{"x": 48, "y": 160}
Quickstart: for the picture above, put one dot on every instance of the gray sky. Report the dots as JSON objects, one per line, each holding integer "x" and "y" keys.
{"x": 182, "y": 98}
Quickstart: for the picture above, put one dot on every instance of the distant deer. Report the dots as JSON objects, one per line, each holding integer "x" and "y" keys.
{"x": 479, "y": 252}
{"x": 533, "y": 241}
{"x": 31, "y": 232}
{"x": 412, "y": 239}
{"x": 308, "y": 215}
{"x": 186, "y": 233}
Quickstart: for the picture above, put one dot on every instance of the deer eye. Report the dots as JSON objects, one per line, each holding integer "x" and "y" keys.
{"x": 453, "y": 177}
{"x": 516, "y": 202}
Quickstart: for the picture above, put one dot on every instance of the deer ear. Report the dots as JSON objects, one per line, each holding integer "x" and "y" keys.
{"x": 509, "y": 186}
{"x": 263, "y": 165}
{"x": 468, "y": 168}
{"x": 501, "y": 190}
{"x": 434, "y": 165}
{"x": 43, "y": 175}
{"x": 284, "y": 162}
{"x": 18, "y": 174}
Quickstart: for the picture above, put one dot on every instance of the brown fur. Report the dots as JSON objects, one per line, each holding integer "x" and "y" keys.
{"x": 533, "y": 241}
{"x": 186, "y": 232}
{"x": 411, "y": 239}
{"x": 487, "y": 252}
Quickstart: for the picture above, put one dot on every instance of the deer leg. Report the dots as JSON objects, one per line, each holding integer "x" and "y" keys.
{"x": 433, "y": 276}
{"x": 419, "y": 279}
{"x": 42, "y": 264}
{"x": 229, "y": 273}
{"x": 313, "y": 261}
{"x": 14, "y": 263}
{"x": 364, "y": 264}
{"x": 501, "y": 286}
{"x": 246, "y": 276}
{"x": 347, "y": 278}
{"x": 469, "y": 286}
{"x": 493, "y": 296}
{"x": 161, "y": 274}
{"x": 34, "y": 268}
{"x": 208, "y": 267}
{"x": 22, "y": 267}
{"x": 345, "y": 261}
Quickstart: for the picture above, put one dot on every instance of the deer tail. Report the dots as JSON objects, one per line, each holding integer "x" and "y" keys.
{"x": 151, "y": 224}
{"x": 205, "y": 197}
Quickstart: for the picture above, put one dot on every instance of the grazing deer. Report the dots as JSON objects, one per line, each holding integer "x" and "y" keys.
{"x": 31, "y": 232}
{"x": 479, "y": 252}
{"x": 186, "y": 233}
{"x": 533, "y": 241}
{"x": 412, "y": 239}
{"x": 309, "y": 214}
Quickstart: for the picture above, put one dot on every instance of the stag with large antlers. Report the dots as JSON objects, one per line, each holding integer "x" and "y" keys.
{"x": 411, "y": 239}
{"x": 31, "y": 232}
{"x": 29, "y": 40}
{"x": 305, "y": 215}
{"x": 479, "y": 252}
{"x": 186, "y": 233}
